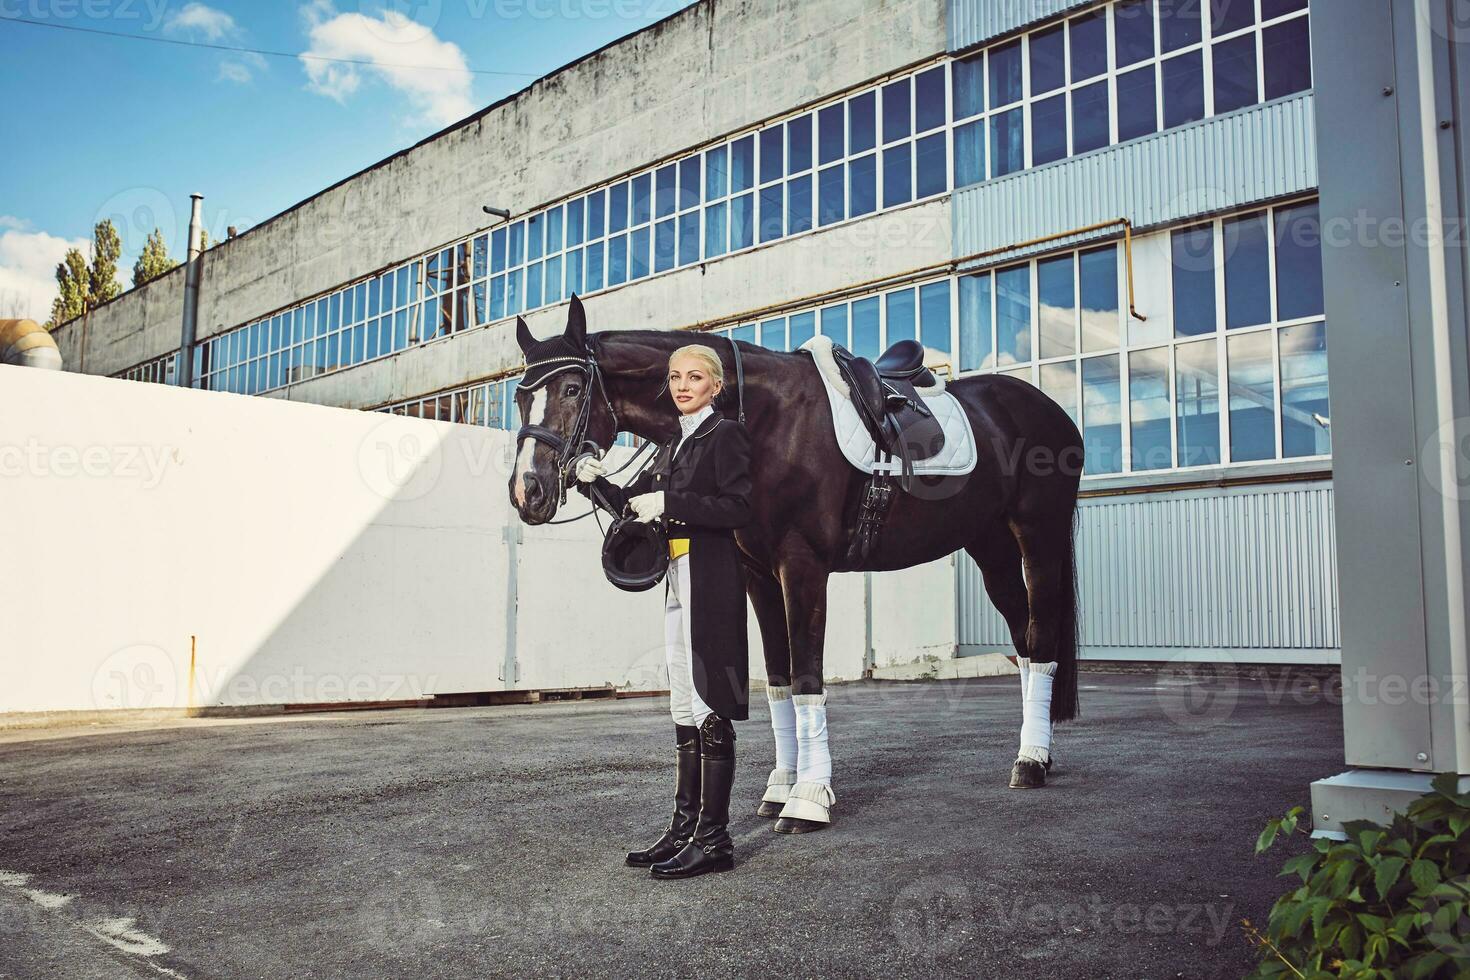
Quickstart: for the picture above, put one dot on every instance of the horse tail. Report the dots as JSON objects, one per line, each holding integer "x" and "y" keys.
{"x": 1064, "y": 685}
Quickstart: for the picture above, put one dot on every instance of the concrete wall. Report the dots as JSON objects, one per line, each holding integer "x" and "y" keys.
{"x": 715, "y": 67}
{"x": 320, "y": 554}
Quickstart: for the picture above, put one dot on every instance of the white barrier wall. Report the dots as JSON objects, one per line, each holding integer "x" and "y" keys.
{"x": 319, "y": 555}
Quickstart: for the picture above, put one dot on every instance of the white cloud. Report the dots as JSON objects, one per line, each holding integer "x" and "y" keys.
{"x": 241, "y": 68}
{"x": 387, "y": 42}
{"x": 28, "y": 262}
{"x": 201, "y": 21}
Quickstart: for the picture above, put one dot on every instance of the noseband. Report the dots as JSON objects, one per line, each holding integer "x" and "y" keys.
{"x": 570, "y": 447}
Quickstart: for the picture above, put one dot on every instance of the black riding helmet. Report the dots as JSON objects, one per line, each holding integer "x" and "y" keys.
{"x": 635, "y": 554}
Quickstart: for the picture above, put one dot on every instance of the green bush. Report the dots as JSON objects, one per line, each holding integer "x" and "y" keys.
{"x": 1388, "y": 902}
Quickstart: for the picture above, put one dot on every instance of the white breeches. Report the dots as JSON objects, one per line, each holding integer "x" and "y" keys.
{"x": 685, "y": 703}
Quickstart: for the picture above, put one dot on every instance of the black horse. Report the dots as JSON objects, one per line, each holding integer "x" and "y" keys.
{"x": 1014, "y": 514}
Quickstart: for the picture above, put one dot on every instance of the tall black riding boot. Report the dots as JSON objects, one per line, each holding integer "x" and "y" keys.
{"x": 686, "y": 802}
{"x": 711, "y": 849}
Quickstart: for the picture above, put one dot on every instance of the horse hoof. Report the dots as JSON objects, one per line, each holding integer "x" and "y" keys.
{"x": 796, "y": 825}
{"x": 769, "y": 810}
{"x": 1026, "y": 774}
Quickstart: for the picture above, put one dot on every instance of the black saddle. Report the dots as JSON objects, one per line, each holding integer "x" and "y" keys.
{"x": 904, "y": 361}
{"x": 902, "y": 426}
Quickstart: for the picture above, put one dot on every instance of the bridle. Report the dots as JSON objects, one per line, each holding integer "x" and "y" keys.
{"x": 569, "y": 449}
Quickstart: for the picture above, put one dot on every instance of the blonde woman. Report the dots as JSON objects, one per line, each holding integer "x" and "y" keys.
{"x": 699, "y": 486}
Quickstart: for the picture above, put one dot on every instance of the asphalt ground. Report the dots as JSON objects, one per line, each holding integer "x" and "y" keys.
{"x": 481, "y": 842}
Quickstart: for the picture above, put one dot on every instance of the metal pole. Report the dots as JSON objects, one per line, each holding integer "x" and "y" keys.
{"x": 184, "y": 375}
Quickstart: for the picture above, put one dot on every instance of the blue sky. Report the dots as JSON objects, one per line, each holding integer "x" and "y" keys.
{"x": 128, "y": 128}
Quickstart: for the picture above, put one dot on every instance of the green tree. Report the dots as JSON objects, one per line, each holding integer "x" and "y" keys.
{"x": 80, "y": 286}
{"x": 153, "y": 261}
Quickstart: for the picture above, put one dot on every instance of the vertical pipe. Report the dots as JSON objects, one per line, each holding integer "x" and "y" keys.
{"x": 1444, "y": 397}
{"x": 184, "y": 373}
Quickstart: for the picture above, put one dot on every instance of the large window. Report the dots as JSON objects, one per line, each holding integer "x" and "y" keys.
{"x": 1119, "y": 72}
{"x": 1229, "y": 368}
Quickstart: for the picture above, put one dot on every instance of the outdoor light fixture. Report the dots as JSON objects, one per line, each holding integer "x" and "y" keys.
{"x": 500, "y": 213}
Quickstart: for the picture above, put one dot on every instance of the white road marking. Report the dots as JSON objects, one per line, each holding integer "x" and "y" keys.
{"x": 121, "y": 934}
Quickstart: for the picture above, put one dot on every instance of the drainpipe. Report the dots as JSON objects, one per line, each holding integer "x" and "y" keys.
{"x": 184, "y": 370}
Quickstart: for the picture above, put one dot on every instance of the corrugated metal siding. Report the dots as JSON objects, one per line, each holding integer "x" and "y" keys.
{"x": 1232, "y": 161}
{"x": 1248, "y": 568}
{"x": 974, "y": 22}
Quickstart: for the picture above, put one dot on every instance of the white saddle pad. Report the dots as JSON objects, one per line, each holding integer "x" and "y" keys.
{"x": 956, "y": 458}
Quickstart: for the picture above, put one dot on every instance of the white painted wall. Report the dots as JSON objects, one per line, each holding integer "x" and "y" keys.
{"x": 317, "y": 554}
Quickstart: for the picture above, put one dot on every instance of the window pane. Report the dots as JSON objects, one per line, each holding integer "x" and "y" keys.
{"x": 745, "y": 332}
{"x": 1298, "y": 261}
{"x": 596, "y": 214}
{"x": 535, "y": 247}
{"x": 1252, "y": 397}
{"x": 968, "y": 85}
{"x": 716, "y": 235}
{"x": 664, "y": 245}
{"x": 1148, "y": 409}
{"x": 799, "y": 144}
{"x": 1048, "y": 60}
{"x": 897, "y": 120}
{"x": 689, "y": 180}
{"x": 932, "y": 175}
{"x": 533, "y": 286}
{"x": 641, "y": 194}
{"x": 594, "y": 267}
{"x": 497, "y": 298}
{"x": 1179, "y": 23}
{"x": 903, "y": 316}
{"x": 1276, "y": 8}
{"x": 862, "y": 174}
{"x": 497, "y": 261}
{"x": 862, "y": 122}
{"x": 1197, "y": 403}
{"x": 1138, "y": 113}
{"x": 1005, "y": 74}
{"x": 1048, "y": 130}
{"x": 831, "y": 138}
{"x": 929, "y": 99}
{"x": 803, "y": 327}
{"x": 969, "y": 153}
{"x": 1056, "y": 311}
{"x": 934, "y": 315}
{"x": 1287, "y": 51}
{"x": 1133, "y": 31}
{"x": 517, "y": 248}
{"x": 1304, "y": 391}
{"x": 773, "y": 157}
{"x": 897, "y": 178}
{"x": 1102, "y": 415}
{"x": 638, "y": 253}
{"x": 716, "y": 173}
{"x": 1059, "y": 383}
{"x": 742, "y": 164}
{"x": 553, "y": 231}
{"x": 1089, "y": 37}
{"x": 1008, "y": 142}
{"x": 666, "y": 182}
{"x": 773, "y": 334}
{"x": 772, "y": 217}
{"x": 1231, "y": 15}
{"x": 742, "y": 221}
{"x": 865, "y": 327}
{"x": 831, "y": 195}
{"x": 1090, "y": 123}
{"x": 1184, "y": 90}
{"x": 834, "y": 323}
{"x": 617, "y": 207}
{"x": 1235, "y": 73}
{"x": 1098, "y": 274}
{"x": 1247, "y": 271}
{"x": 617, "y": 259}
{"x": 1194, "y": 281}
{"x": 975, "y": 351}
{"x": 575, "y": 214}
{"x": 798, "y": 204}
{"x": 1013, "y": 314}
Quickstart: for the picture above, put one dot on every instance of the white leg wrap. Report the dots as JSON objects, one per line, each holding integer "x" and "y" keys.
{"x": 1036, "y": 712}
{"x": 778, "y": 785}
{"x": 783, "y": 726}
{"x": 811, "y": 798}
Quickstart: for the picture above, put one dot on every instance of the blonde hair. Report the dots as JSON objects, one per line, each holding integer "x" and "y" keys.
{"x": 705, "y": 353}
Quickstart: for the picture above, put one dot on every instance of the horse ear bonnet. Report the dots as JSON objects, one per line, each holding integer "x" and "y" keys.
{"x": 635, "y": 554}
{"x": 542, "y": 350}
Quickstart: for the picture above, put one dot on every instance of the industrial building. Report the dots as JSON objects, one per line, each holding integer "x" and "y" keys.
{"x": 1113, "y": 201}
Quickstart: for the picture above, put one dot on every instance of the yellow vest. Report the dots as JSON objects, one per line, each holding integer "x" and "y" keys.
{"x": 677, "y": 547}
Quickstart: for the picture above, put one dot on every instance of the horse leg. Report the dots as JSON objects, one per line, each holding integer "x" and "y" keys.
{"x": 1050, "y": 689}
{"x": 770, "y": 612}
{"x": 998, "y": 555}
{"x": 809, "y": 804}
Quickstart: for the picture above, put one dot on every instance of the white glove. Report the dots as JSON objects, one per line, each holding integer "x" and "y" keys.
{"x": 589, "y": 469}
{"x": 647, "y": 506}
